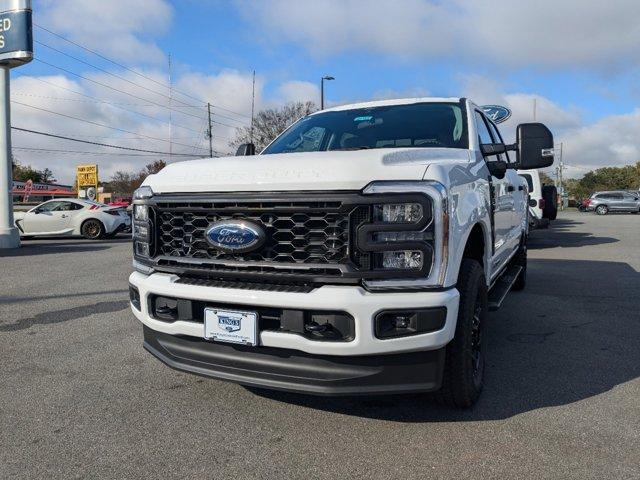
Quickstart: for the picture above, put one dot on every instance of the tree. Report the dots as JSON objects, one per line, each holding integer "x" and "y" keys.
{"x": 22, "y": 173}
{"x": 124, "y": 183}
{"x": 606, "y": 178}
{"x": 47, "y": 176}
{"x": 270, "y": 123}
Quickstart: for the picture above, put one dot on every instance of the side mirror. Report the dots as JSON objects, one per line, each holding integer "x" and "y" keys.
{"x": 497, "y": 168}
{"x": 534, "y": 143}
{"x": 246, "y": 149}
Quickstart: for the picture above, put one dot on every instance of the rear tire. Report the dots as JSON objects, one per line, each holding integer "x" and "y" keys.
{"x": 550, "y": 195}
{"x": 463, "y": 376}
{"x": 92, "y": 229}
{"x": 602, "y": 209}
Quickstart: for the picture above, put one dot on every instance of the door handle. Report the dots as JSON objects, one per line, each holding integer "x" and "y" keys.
{"x": 64, "y": 216}
{"x": 510, "y": 188}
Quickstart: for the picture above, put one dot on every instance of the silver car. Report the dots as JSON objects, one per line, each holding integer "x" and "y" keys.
{"x": 617, "y": 201}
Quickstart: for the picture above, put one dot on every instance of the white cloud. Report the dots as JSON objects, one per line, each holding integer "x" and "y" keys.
{"x": 546, "y": 33}
{"x": 118, "y": 28}
{"x": 298, "y": 91}
{"x": 229, "y": 93}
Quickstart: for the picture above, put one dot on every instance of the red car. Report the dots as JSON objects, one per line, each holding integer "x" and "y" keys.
{"x": 120, "y": 202}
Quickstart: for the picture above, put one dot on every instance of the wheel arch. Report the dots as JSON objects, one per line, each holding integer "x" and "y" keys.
{"x": 477, "y": 244}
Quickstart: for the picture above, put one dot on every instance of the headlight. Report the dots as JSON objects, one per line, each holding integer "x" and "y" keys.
{"x": 407, "y": 239}
{"x": 141, "y": 213}
{"x": 398, "y": 212}
{"x": 403, "y": 259}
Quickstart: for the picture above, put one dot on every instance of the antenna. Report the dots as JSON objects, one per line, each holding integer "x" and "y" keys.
{"x": 170, "y": 122}
{"x": 253, "y": 99}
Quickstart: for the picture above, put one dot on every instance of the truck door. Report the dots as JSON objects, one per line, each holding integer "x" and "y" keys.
{"x": 503, "y": 202}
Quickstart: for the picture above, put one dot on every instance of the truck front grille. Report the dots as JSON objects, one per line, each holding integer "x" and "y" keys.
{"x": 297, "y": 232}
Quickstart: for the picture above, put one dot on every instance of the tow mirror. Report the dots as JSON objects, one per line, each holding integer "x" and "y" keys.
{"x": 534, "y": 142}
{"x": 497, "y": 168}
{"x": 246, "y": 149}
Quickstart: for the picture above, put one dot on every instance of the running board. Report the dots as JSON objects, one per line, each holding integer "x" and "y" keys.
{"x": 499, "y": 291}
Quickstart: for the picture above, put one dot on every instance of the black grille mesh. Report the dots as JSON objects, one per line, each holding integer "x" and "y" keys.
{"x": 303, "y": 232}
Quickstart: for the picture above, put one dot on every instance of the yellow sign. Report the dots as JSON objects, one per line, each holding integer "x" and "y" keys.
{"x": 87, "y": 178}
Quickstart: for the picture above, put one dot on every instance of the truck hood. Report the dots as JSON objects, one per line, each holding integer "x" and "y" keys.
{"x": 334, "y": 170}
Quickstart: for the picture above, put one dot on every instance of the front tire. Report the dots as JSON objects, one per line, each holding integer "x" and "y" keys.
{"x": 92, "y": 229}
{"x": 463, "y": 376}
{"x": 602, "y": 210}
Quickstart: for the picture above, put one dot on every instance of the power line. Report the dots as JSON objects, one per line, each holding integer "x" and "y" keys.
{"x": 130, "y": 69}
{"x": 109, "y": 73}
{"x": 53, "y": 150}
{"x": 63, "y": 137}
{"x": 97, "y": 100}
{"x": 114, "y": 104}
{"x": 97, "y": 124}
{"x": 112, "y": 88}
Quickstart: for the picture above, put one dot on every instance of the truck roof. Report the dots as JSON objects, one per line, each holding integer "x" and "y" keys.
{"x": 395, "y": 101}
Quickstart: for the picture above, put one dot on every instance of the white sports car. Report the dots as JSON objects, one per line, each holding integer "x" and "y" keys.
{"x": 72, "y": 217}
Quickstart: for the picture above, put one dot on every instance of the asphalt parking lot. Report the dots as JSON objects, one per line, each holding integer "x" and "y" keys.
{"x": 80, "y": 398}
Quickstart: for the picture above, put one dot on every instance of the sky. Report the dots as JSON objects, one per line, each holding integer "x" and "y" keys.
{"x": 577, "y": 59}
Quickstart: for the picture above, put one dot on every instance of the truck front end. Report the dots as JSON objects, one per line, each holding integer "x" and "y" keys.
{"x": 316, "y": 271}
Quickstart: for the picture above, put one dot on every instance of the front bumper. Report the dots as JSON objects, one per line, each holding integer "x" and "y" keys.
{"x": 356, "y": 301}
{"x": 290, "y": 370}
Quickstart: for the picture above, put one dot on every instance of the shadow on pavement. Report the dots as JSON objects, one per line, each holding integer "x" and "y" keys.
{"x": 562, "y": 233}
{"x": 556, "y": 343}
{"x": 54, "y": 248}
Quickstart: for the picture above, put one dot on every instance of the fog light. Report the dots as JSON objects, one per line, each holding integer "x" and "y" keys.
{"x": 402, "y": 323}
{"x": 402, "y": 259}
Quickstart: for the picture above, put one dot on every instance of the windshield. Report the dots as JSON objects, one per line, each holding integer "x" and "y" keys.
{"x": 420, "y": 125}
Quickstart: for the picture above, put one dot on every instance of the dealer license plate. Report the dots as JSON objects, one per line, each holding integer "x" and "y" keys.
{"x": 231, "y": 326}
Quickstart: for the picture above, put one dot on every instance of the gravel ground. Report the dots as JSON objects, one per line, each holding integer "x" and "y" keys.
{"x": 79, "y": 398}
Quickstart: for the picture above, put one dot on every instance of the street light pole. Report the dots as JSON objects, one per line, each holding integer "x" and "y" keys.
{"x": 326, "y": 77}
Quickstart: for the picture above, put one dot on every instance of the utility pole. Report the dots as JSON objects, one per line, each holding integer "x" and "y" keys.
{"x": 209, "y": 134}
{"x": 535, "y": 107}
{"x": 560, "y": 178}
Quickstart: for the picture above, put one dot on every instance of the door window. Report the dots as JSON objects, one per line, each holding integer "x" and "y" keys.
{"x": 49, "y": 206}
{"x": 484, "y": 136}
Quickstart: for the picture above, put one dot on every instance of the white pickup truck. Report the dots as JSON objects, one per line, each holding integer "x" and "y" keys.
{"x": 359, "y": 253}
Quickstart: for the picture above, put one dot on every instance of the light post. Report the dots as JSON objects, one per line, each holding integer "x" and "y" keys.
{"x": 16, "y": 48}
{"x": 326, "y": 77}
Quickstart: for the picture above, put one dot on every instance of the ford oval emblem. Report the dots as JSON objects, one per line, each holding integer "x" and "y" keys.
{"x": 496, "y": 113}
{"x": 235, "y": 236}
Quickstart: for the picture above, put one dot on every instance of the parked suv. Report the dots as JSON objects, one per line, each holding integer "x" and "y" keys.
{"x": 617, "y": 201}
{"x": 359, "y": 253}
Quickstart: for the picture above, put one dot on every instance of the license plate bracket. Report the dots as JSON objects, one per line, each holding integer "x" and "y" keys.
{"x": 231, "y": 326}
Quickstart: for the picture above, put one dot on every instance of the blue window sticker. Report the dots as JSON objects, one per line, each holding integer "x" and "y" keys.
{"x": 365, "y": 118}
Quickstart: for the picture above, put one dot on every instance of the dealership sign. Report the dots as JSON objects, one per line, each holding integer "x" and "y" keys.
{"x": 16, "y": 33}
{"x": 87, "y": 178}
